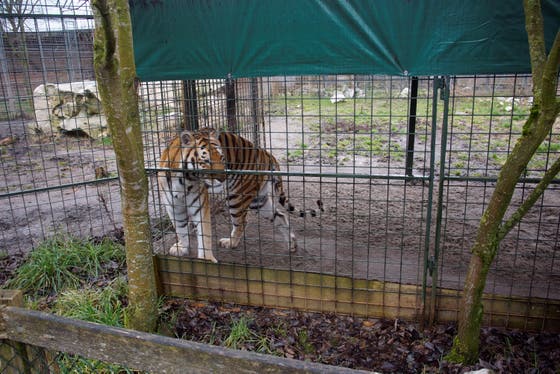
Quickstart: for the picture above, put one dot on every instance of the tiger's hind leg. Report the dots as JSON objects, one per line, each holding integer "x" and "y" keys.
{"x": 267, "y": 209}
{"x": 238, "y": 220}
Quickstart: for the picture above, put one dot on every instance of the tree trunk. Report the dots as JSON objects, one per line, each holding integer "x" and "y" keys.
{"x": 491, "y": 229}
{"x": 116, "y": 77}
{"x": 6, "y": 81}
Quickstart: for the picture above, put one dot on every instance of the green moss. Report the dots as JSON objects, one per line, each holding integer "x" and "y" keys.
{"x": 457, "y": 353}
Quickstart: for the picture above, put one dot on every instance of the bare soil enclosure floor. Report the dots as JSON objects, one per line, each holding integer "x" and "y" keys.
{"x": 36, "y": 207}
{"x": 361, "y": 235}
{"x": 369, "y": 229}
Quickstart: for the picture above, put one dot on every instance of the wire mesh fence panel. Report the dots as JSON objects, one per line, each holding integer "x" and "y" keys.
{"x": 486, "y": 118}
{"x": 341, "y": 144}
{"x": 362, "y": 163}
{"x": 387, "y": 189}
{"x": 18, "y": 358}
{"x": 58, "y": 167}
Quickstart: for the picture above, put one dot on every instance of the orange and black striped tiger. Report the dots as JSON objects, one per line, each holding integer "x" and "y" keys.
{"x": 186, "y": 192}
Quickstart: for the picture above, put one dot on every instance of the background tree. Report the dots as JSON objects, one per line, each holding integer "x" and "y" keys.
{"x": 12, "y": 29}
{"x": 117, "y": 84}
{"x": 493, "y": 228}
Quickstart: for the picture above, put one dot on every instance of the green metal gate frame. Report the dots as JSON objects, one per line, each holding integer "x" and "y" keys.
{"x": 441, "y": 86}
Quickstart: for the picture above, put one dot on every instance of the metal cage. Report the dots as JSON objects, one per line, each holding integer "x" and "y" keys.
{"x": 391, "y": 175}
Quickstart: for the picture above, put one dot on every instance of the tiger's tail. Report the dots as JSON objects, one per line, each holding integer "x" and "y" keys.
{"x": 285, "y": 202}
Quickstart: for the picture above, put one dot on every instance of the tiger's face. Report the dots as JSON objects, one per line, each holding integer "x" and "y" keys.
{"x": 202, "y": 151}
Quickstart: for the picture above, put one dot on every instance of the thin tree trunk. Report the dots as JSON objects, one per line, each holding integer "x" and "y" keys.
{"x": 491, "y": 229}
{"x": 6, "y": 81}
{"x": 116, "y": 77}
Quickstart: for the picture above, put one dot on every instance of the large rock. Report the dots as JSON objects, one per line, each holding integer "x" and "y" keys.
{"x": 67, "y": 107}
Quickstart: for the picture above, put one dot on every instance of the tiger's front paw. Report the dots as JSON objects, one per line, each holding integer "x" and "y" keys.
{"x": 228, "y": 243}
{"x": 178, "y": 250}
{"x": 293, "y": 246}
{"x": 208, "y": 255}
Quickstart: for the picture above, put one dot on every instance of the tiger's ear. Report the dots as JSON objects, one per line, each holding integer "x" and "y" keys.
{"x": 187, "y": 138}
{"x": 208, "y": 131}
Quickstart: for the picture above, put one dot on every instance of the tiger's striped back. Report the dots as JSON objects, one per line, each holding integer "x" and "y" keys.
{"x": 252, "y": 191}
{"x": 241, "y": 154}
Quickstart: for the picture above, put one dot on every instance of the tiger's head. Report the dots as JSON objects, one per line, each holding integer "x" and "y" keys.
{"x": 201, "y": 150}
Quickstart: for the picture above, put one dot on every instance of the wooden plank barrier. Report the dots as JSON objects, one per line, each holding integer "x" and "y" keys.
{"x": 138, "y": 350}
{"x": 16, "y": 357}
{"x": 249, "y": 285}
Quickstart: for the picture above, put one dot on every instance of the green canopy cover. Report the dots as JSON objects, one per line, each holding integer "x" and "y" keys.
{"x": 195, "y": 39}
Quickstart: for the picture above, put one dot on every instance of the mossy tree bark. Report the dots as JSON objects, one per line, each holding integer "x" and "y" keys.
{"x": 116, "y": 77}
{"x": 493, "y": 228}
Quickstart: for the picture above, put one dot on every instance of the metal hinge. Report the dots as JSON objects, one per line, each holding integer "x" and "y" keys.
{"x": 431, "y": 265}
{"x": 443, "y": 85}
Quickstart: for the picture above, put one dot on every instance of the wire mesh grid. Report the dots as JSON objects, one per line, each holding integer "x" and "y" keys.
{"x": 487, "y": 117}
{"x": 341, "y": 143}
{"x": 487, "y": 114}
{"x": 55, "y": 149}
{"x": 352, "y": 144}
{"x": 368, "y": 161}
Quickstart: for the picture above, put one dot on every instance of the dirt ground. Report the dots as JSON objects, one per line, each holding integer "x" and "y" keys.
{"x": 370, "y": 228}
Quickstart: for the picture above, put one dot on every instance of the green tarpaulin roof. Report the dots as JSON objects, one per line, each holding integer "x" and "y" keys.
{"x": 195, "y": 39}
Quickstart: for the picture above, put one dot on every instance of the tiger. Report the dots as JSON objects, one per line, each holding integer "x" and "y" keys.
{"x": 186, "y": 192}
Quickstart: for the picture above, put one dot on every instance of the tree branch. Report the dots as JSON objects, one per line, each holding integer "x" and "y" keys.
{"x": 107, "y": 43}
{"x": 530, "y": 201}
{"x": 550, "y": 73}
{"x": 535, "y": 31}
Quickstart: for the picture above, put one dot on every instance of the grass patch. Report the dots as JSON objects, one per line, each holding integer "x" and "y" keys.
{"x": 107, "y": 141}
{"x": 83, "y": 276}
{"x": 240, "y": 333}
{"x": 75, "y": 364}
{"x": 242, "y": 337}
{"x": 62, "y": 263}
{"x": 299, "y": 152}
{"x": 22, "y": 108}
{"x": 103, "y": 306}
{"x": 304, "y": 343}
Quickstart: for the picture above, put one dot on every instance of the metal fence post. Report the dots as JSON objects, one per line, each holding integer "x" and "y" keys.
{"x": 427, "y": 261}
{"x": 231, "y": 110}
{"x": 190, "y": 106}
{"x": 434, "y": 260}
{"x": 255, "y": 110}
{"x": 411, "y": 126}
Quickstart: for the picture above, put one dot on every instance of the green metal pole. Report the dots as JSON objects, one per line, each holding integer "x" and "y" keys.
{"x": 441, "y": 182}
{"x": 436, "y": 87}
